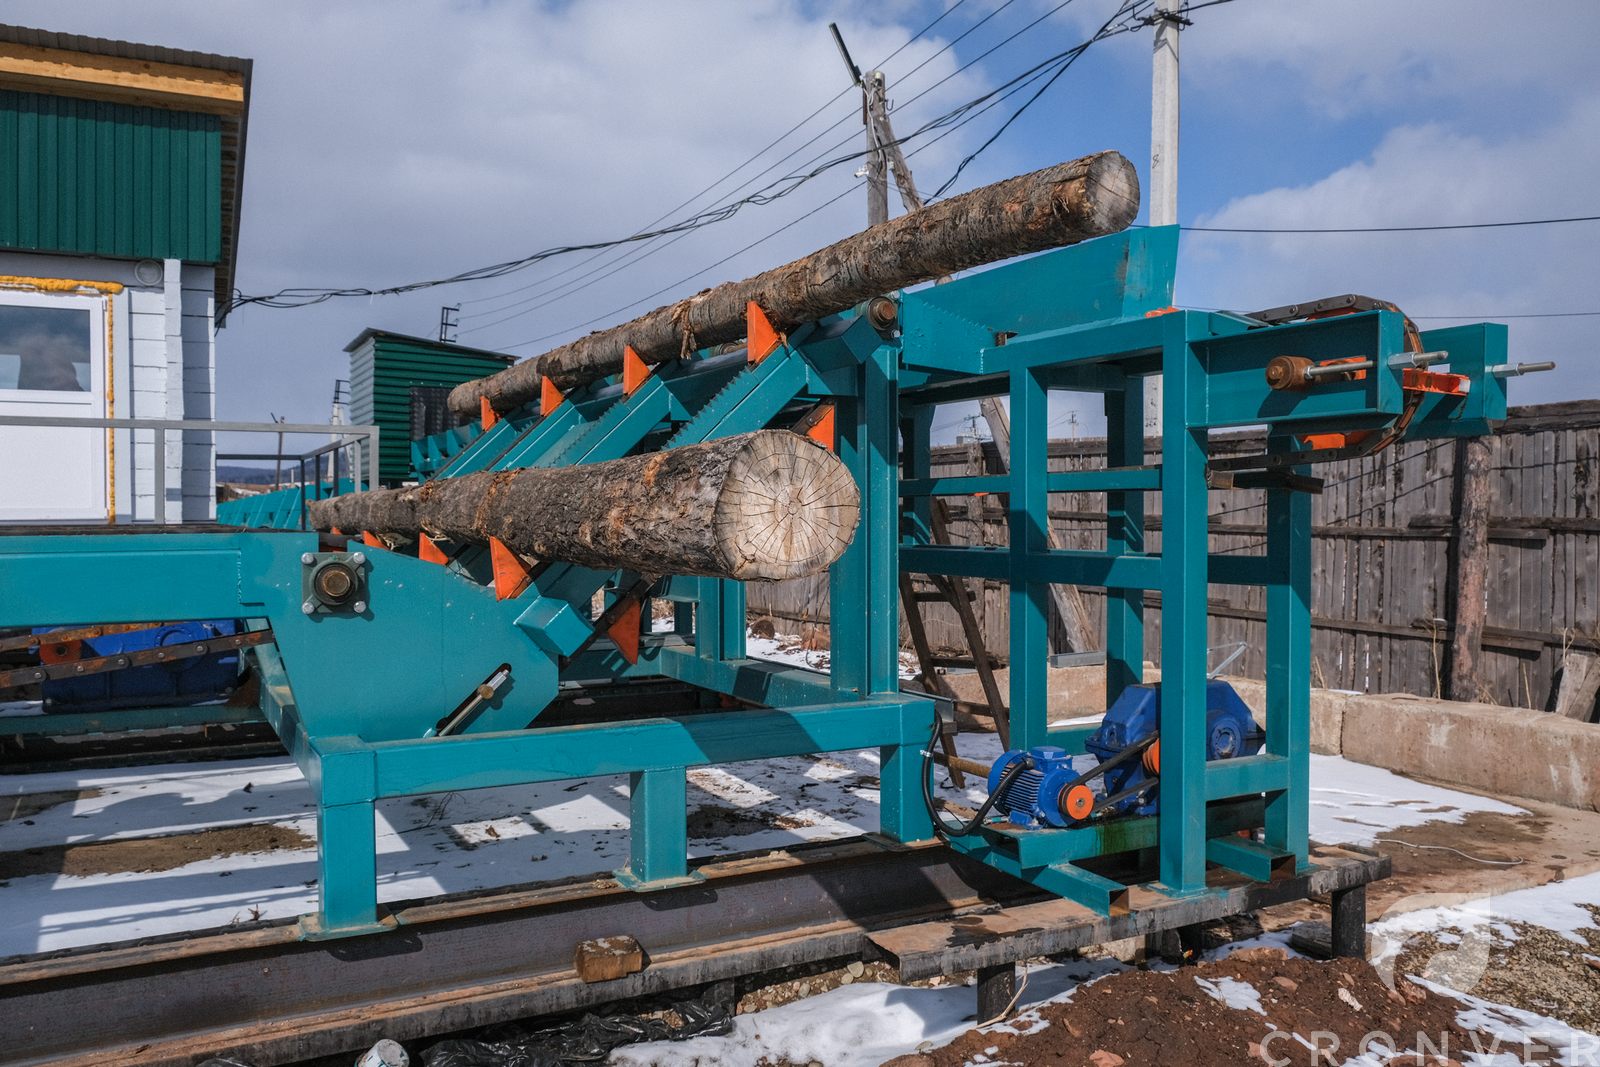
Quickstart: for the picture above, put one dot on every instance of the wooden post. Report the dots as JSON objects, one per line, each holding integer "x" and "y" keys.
{"x": 1468, "y": 595}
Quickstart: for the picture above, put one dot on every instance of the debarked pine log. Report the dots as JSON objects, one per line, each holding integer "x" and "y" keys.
{"x": 1060, "y": 205}
{"x": 761, "y": 506}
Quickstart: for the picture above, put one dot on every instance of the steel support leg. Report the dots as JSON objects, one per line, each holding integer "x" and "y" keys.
{"x": 347, "y": 849}
{"x": 1350, "y": 922}
{"x": 1183, "y": 620}
{"x": 997, "y": 987}
{"x": 902, "y": 813}
{"x": 658, "y": 830}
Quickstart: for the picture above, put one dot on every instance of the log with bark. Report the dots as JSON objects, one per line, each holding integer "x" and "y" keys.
{"x": 1057, "y": 206}
{"x": 761, "y": 506}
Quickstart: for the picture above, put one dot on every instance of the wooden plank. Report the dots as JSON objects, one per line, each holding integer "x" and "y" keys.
{"x": 139, "y": 82}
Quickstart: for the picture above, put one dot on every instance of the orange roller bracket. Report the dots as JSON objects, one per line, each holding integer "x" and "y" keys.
{"x": 486, "y": 413}
{"x": 550, "y": 397}
{"x": 634, "y": 370}
{"x": 624, "y": 631}
{"x": 372, "y": 540}
{"x": 511, "y": 575}
{"x": 428, "y": 550}
{"x": 761, "y": 338}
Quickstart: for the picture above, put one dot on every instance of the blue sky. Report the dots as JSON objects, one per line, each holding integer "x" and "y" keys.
{"x": 393, "y": 142}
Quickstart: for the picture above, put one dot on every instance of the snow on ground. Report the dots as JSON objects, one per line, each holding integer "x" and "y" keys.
{"x": 454, "y": 842}
{"x": 1354, "y": 804}
{"x": 1557, "y": 906}
{"x": 855, "y": 1025}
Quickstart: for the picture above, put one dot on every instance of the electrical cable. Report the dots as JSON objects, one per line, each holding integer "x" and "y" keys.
{"x": 305, "y": 296}
{"x": 944, "y": 829}
{"x": 993, "y": 98}
{"x": 1125, "y": 10}
{"x": 1391, "y": 229}
{"x": 637, "y": 257}
{"x": 758, "y": 154}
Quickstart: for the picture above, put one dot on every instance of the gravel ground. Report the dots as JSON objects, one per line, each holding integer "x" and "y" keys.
{"x": 1537, "y": 970}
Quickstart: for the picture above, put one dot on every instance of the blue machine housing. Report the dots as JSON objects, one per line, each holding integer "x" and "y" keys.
{"x": 1136, "y": 715}
{"x": 184, "y": 681}
{"x": 1033, "y": 798}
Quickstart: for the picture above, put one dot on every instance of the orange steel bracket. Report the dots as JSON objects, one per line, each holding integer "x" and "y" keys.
{"x": 59, "y": 651}
{"x": 429, "y": 551}
{"x": 634, "y": 370}
{"x": 822, "y": 430}
{"x": 760, "y": 336}
{"x": 549, "y": 396}
{"x": 511, "y": 575}
{"x": 486, "y": 413}
{"x": 1169, "y": 309}
{"x": 372, "y": 540}
{"x": 624, "y": 631}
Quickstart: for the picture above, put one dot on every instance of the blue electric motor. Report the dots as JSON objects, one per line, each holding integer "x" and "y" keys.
{"x": 1038, "y": 795}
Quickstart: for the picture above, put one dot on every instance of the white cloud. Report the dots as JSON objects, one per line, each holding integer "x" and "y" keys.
{"x": 391, "y": 142}
{"x": 1433, "y": 174}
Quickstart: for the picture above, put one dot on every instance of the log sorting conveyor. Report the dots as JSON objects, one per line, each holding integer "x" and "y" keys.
{"x": 422, "y": 639}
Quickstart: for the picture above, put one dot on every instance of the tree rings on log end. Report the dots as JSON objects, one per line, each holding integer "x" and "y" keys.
{"x": 788, "y": 508}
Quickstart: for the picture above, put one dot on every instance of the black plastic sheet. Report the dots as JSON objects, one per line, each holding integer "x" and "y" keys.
{"x": 587, "y": 1040}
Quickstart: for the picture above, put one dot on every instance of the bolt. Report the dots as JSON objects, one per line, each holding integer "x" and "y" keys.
{"x": 358, "y": 558}
{"x": 308, "y": 607}
{"x": 308, "y": 558}
{"x": 359, "y": 606}
{"x": 882, "y": 312}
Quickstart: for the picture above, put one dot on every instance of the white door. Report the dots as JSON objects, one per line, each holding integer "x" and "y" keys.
{"x": 52, "y": 364}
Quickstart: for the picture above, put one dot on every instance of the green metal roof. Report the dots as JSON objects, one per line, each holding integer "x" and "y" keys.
{"x": 383, "y": 368}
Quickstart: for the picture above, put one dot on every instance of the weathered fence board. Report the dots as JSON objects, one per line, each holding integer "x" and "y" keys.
{"x": 1382, "y": 559}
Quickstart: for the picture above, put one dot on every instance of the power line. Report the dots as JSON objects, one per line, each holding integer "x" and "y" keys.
{"x": 1016, "y": 85}
{"x": 1391, "y": 229}
{"x": 988, "y": 100}
{"x": 1125, "y": 10}
{"x": 757, "y": 155}
{"x": 797, "y": 150}
{"x": 1495, "y": 318}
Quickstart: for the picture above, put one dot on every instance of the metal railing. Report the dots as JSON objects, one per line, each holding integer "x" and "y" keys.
{"x": 361, "y": 441}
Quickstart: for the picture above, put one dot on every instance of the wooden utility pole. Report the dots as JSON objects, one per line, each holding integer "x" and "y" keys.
{"x": 1471, "y": 549}
{"x": 874, "y": 117}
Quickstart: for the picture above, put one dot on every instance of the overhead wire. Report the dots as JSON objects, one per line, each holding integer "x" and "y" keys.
{"x": 751, "y": 159}
{"x": 304, "y": 296}
{"x": 638, "y": 255}
{"x": 1016, "y": 85}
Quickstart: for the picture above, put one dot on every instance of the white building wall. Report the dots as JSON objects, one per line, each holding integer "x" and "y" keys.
{"x": 162, "y": 366}
{"x": 199, "y": 395}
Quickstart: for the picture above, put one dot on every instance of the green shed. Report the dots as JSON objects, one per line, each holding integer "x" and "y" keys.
{"x": 399, "y": 382}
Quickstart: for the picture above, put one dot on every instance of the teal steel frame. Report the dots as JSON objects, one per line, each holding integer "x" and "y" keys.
{"x": 358, "y": 698}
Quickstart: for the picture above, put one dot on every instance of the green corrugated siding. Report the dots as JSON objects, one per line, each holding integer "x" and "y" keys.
{"x": 108, "y": 179}
{"x": 398, "y": 365}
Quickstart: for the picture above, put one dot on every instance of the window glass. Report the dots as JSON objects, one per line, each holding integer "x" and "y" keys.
{"x": 44, "y": 348}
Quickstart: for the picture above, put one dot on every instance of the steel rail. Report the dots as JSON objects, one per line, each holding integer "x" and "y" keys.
{"x": 267, "y": 995}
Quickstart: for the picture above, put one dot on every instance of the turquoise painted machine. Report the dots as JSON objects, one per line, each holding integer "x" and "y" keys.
{"x": 391, "y": 675}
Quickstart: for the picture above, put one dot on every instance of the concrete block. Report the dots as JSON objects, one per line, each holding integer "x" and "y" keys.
{"x": 1511, "y": 752}
{"x": 1327, "y": 712}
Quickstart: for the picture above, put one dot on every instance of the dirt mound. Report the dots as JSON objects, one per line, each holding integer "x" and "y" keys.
{"x": 1255, "y": 1007}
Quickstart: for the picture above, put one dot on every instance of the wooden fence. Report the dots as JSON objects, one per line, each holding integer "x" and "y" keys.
{"x": 1383, "y": 602}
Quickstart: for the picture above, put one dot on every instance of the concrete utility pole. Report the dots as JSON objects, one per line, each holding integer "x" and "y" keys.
{"x": 1163, "y": 152}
